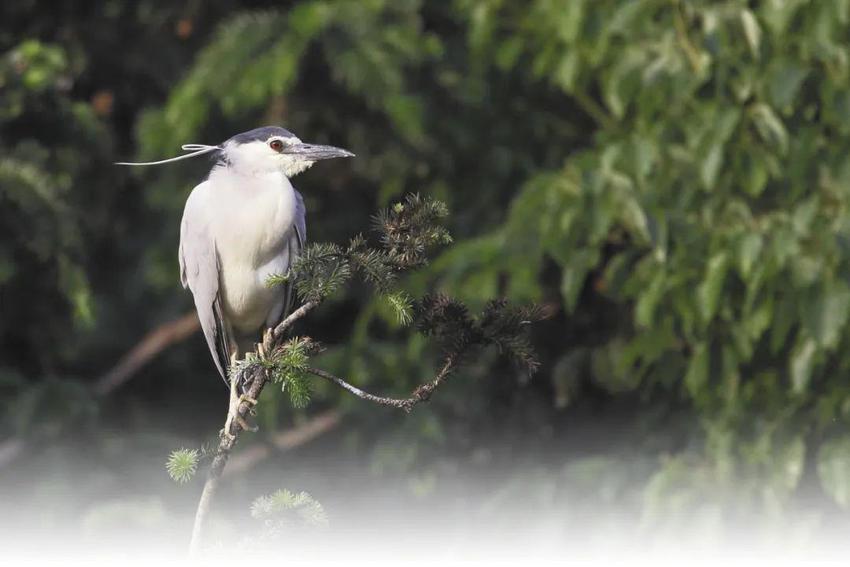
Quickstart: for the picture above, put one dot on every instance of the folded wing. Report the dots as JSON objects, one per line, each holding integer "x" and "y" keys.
{"x": 199, "y": 272}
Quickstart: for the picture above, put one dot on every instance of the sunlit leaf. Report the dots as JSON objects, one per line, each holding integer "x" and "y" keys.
{"x": 801, "y": 363}
{"x": 709, "y": 291}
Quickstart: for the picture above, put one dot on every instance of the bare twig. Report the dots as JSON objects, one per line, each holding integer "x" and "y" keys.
{"x": 151, "y": 345}
{"x": 419, "y": 395}
{"x": 292, "y": 318}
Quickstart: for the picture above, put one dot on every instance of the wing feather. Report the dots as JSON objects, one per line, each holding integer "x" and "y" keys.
{"x": 199, "y": 272}
{"x": 296, "y": 244}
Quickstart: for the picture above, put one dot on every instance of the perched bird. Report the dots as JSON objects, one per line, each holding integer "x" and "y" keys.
{"x": 240, "y": 225}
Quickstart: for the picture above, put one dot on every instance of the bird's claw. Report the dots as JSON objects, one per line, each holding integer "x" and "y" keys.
{"x": 233, "y": 411}
{"x": 245, "y": 425}
{"x": 252, "y": 404}
{"x": 267, "y": 340}
{"x": 233, "y": 415}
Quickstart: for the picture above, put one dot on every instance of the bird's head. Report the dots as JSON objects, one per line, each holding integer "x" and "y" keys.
{"x": 274, "y": 149}
{"x": 262, "y": 150}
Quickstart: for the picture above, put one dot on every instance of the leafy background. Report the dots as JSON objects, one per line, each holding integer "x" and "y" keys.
{"x": 669, "y": 178}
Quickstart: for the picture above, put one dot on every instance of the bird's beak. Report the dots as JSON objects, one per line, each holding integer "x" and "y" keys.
{"x": 314, "y": 152}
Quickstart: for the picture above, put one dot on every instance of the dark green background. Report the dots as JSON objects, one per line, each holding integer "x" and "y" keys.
{"x": 669, "y": 178}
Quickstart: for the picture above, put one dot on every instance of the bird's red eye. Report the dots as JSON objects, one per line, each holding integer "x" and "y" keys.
{"x": 276, "y": 145}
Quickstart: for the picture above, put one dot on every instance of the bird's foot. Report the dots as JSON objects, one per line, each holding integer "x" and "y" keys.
{"x": 233, "y": 415}
{"x": 233, "y": 409}
{"x": 247, "y": 399}
{"x": 252, "y": 404}
{"x": 268, "y": 339}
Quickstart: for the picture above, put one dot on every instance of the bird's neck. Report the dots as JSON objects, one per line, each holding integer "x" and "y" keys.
{"x": 256, "y": 198}
{"x": 245, "y": 172}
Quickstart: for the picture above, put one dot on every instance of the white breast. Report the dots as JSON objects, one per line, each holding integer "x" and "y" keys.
{"x": 252, "y": 219}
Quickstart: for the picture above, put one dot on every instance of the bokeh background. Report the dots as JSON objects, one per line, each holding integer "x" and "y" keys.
{"x": 668, "y": 178}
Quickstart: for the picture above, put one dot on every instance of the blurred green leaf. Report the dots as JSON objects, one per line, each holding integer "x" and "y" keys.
{"x": 698, "y": 370}
{"x": 752, "y": 31}
{"x": 709, "y": 291}
{"x": 827, "y": 315}
{"x": 770, "y": 127}
{"x": 802, "y": 361}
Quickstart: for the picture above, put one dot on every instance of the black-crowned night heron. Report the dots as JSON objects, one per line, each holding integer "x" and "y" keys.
{"x": 242, "y": 224}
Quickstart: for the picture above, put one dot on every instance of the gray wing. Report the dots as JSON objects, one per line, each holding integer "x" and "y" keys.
{"x": 199, "y": 272}
{"x": 300, "y": 220}
{"x": 296, "y": 243}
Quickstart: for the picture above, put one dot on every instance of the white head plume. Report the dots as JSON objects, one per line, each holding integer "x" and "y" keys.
{"x": 194, "y": 149}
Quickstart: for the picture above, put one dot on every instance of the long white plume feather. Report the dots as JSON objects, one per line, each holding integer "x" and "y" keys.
{"x": 195, "y": 149}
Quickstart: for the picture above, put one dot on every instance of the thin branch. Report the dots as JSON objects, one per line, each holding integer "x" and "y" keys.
{"x": 148, "y": 348}
{"x": 420, "y": 394}
{"x": 256, "y": 381}
{"x": 292, "y": 318}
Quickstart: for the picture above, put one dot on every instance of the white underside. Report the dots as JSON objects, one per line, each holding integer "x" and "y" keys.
{"x": 251, "y": 222}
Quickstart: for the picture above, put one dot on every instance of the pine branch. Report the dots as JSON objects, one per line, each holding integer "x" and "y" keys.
{"x": 292, "y": 318}
{"x": 421, "y": 394}
{"x": 406, "y": 232}
{"x": 500, "y": 325}
{"x": 256, "y": 381}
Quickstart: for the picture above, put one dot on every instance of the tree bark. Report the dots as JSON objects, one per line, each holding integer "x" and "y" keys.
{"x": 257, "y": 382}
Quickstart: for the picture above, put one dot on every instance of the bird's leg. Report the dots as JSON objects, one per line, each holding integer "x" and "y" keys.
{"x": 235, "y": 402}
{"x": 233, "y": 409}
